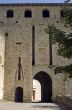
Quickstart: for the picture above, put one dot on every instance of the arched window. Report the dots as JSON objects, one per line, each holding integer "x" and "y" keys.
{"x": 10, "y": 14}
{"x": 28, "y": 14}
{"x": 45, "y": 14}
{"x": 62, "y": 13}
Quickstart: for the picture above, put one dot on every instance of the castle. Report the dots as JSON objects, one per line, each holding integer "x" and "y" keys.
{"x": 26, "y": 52}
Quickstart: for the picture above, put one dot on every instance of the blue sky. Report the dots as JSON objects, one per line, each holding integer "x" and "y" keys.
{"x": 32, "y": 1}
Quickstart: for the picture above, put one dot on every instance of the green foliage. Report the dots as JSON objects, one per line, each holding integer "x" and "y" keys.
{"x": 63, "y": 40}
{"x": 67, "y": 19}
{"x": 65, "y": 48}
{"x": 67, "y": 70}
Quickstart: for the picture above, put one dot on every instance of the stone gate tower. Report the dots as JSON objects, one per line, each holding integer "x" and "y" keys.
{"x": 26, "y": 52}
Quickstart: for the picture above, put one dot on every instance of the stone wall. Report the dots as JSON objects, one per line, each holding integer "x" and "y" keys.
{"x": 64, "y": 100}
{"x": 17, "y": 32}
{"x": 13, "y": 52}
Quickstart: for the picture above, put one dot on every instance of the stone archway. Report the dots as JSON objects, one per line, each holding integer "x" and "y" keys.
{"x": 36, "y": 91}
{"x": 19, "y": 94}
{"x": 46, "y": 86}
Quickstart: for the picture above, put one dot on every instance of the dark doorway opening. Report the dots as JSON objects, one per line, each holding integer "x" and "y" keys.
{"x": 19, "y": 94}
{"x": 46, "y": 86}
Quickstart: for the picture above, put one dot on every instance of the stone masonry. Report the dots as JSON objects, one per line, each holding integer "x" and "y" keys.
{"x": 16, "y": 41}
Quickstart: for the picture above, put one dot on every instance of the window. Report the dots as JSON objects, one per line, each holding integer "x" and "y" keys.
{"x": 10, "y": 14}
{"x": 62, "y": 13}
{"x": 28, "y": 14}
{"x": 50, "y": 50}
{"x": 33, "y": 45}
{"x": 45, "y": 14}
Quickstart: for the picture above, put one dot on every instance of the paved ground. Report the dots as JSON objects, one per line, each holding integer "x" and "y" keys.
{"x": 31, "y": 106}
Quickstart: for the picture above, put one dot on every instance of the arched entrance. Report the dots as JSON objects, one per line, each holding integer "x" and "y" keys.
{"x": 36, "y": 91}
{"x": 46, "y": 86}
{"x": 19, "y": 94}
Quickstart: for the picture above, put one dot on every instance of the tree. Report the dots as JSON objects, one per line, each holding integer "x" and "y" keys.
{"x": 63, "y": 40}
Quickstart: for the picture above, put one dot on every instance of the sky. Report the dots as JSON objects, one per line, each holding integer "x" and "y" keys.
{"x": 33, "y": 1}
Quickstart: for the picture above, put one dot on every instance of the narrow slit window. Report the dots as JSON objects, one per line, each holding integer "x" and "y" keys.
{"x": 33, "y": 45}
{"x": 50, "y": 50}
